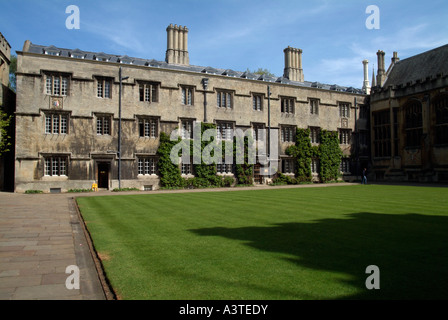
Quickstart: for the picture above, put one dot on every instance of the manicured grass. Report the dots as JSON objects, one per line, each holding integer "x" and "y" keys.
{"x": 302, "y": 243}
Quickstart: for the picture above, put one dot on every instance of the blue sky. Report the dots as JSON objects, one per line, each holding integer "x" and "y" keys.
{"x": 238, "y": 34}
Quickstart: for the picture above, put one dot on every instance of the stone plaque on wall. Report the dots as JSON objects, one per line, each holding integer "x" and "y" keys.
{"x": 56, "y": 103}
{"x": 344, "y": 123}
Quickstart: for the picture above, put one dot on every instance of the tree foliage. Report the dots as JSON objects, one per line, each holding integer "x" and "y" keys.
{"x": 262, "y": 71}
{"x": 12, "y": 73}
{"x": 5, "y": 141}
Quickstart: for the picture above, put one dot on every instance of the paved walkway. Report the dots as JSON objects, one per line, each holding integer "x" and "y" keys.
{"x": 40, "y": 236}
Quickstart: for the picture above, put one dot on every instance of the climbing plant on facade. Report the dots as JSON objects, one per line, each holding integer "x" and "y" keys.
{"x": 330, "y": 155}
{"x": 302, "y": 152}
{"x": 170, "y": 175}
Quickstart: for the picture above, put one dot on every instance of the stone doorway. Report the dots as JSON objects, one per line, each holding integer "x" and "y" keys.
{"x": 103, "y": 175}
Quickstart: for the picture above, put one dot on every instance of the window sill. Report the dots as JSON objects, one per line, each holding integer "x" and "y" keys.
{"x": 55, "y": 178}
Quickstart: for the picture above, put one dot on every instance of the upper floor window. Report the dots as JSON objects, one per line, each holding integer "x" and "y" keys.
{"x": 187, "y": 129}
{"x": 149, "y": 92}
{"x": 104, "y": 88}
{"x": 224, "y": 130}
{"x": 382, "y": 133}
{"x": 363, "y": 112}
{"x": 187, "y": 96}
{"x": 441, "y": 108}
{"x": 287, "y": 105}
{"x": 314, "y": 134}
{"x": 56, "y": 123}
{"x": 259, "y": 132}
{"x": 224, "y": 99}
{"x": 344, "y": 110}
{"x": 314, "y": 106}
{"x": 345, "y": 136}
{"x": 257, "y": 102}
{"x": 148, "y": 127}
{"x": 413, "y": 124}
{"x": 288, "y": 133}
{"x": 103, "y": 124}
{"x": 56, "y": 85}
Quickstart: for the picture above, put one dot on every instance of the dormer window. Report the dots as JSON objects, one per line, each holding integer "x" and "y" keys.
{"x": 101, "y": 57}
{"x": 52, "y": 51}
{"x": 210, "y": 70}
{"x": 125, "y": 59}
{"x": 77, "y": 54}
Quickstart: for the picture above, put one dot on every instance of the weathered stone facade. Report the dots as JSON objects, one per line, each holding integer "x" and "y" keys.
{"x": 409, "y": 113}
{"x": 68, "y": 111}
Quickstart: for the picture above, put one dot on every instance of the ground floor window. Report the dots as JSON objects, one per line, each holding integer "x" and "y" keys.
{"x": 288, "y": 166}
{"x": 147, "y": 166}
{"x": 345, "y": 166}
{"x": 186, "y": 168}
{"x": 223, "y": 168}
{"x": 315, "y": 165}
{"x": 56, "y": 166}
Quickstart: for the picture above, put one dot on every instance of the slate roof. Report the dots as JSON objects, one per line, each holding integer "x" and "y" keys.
{"x": 425, "y": 65}
{"x": 87, "y": 55}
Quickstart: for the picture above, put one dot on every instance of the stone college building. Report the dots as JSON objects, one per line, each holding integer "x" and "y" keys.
{"x": 68, "y": 115}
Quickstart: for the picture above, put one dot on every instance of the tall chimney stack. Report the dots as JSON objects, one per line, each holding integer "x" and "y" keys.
{"x": 366, "y": 84}
{"x": 395, "y": 58}
{"x": 293, "y": 64}
{"x": 177, "y": 45}
{"x": 381, "y": 74}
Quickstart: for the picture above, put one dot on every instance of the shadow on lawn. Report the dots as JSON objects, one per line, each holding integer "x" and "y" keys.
{"x": 411, "y": 250}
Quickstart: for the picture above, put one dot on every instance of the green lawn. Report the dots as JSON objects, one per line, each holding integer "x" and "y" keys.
{"x": 289, "y": 244}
